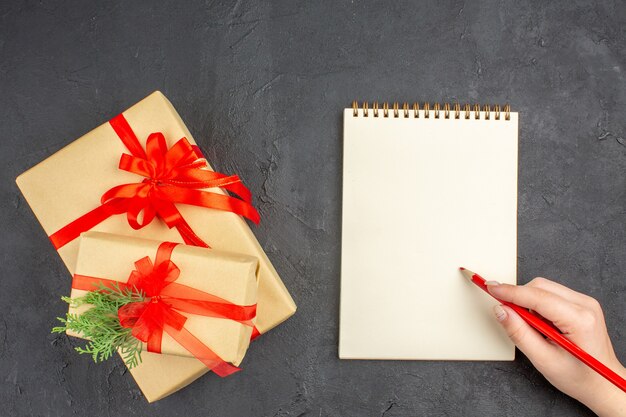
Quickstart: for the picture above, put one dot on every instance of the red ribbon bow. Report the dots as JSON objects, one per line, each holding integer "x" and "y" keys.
{"x": 160, "y": 312}
{"x": 174, "y": 175}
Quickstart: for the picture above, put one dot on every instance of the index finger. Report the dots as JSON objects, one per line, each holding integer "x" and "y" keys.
{"x": 561, "y": 290}
{"x": 550, "y": 305}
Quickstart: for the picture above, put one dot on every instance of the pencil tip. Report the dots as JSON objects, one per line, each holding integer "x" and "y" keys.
{"x": 466, "y": 273}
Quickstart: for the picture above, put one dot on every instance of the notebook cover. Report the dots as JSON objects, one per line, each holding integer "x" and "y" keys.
{"x": 422, "y": 197}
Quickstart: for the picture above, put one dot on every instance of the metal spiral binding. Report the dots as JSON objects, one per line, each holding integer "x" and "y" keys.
{"x": 437, "y": 109}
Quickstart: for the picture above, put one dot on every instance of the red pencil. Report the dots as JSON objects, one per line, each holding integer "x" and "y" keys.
{"x": 550, "y": 332}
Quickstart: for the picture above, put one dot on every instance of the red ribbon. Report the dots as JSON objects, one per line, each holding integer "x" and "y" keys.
{"x": 173, "y": 175}
{"x": 165, "y": 299}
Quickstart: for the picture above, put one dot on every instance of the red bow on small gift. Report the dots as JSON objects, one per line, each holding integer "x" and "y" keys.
{"x": 165, "y": 299}
{"x": 174, "y": 175}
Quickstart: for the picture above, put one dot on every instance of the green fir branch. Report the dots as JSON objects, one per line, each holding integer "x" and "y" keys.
{"x": 101, "y": 326}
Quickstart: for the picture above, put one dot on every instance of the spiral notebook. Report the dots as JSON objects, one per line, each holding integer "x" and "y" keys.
{"x": 426, "y": 189}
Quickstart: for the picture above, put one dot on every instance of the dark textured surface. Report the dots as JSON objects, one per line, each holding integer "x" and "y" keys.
{"x": 262, "y": 86}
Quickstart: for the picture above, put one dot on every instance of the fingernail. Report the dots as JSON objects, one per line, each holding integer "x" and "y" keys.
{"x": 492, "y": 283}
{"x": 499, "y": 312}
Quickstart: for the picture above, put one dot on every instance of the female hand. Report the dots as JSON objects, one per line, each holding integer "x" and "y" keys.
{"x": 580, "y": 318}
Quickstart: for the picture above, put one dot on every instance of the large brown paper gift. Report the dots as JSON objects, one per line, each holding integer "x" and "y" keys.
{"x": 70, "y": 183}
{"x": 231, "y": 277}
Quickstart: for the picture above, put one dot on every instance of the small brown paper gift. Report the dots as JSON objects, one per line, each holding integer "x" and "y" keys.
{"x": 231, "y": 277}
{"x": 70, "y": 183}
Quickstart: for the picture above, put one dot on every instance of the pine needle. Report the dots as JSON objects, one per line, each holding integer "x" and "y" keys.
{"x": 101, "y": 326}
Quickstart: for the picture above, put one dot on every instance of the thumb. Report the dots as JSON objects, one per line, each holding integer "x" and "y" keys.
{"x": 528, "y": 340}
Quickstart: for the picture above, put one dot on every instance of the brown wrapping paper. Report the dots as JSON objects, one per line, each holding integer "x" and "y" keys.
{"x": 70, "y": 183}
{"x": 225, "y": 275}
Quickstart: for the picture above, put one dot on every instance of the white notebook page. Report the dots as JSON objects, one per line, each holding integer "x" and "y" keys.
{"x": 422, "y": 197}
